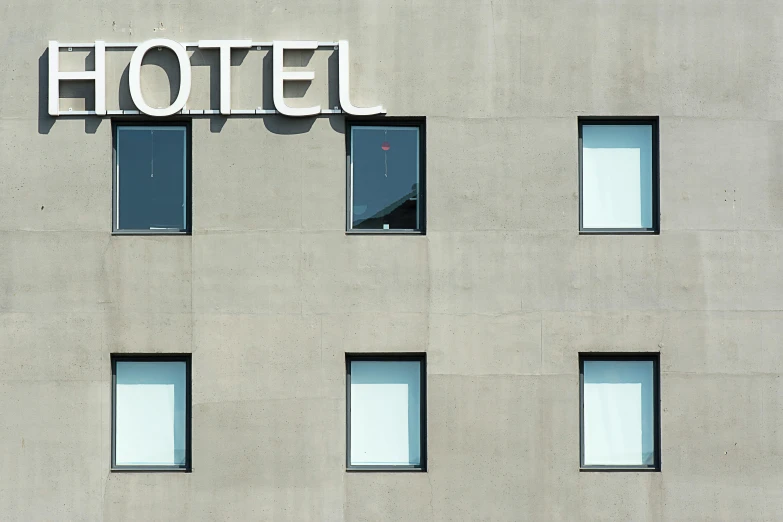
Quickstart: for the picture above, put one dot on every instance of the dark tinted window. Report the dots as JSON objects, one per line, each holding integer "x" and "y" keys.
{"x": 151, "y": 178}
{"x": 385, "y": 178}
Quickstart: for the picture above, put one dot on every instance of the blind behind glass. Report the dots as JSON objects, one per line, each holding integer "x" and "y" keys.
{"x": 618, "y": 412}
{"x": 385, "y": 413}
{"x": 617, "y": 184}
{"x": 150, "y": 413}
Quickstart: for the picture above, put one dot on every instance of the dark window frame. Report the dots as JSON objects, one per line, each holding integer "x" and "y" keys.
{"x": 420, "y": 123}
{"x": 655, "y": 358}
{"x": 115, "y": 125}
{"x": 163, "y": 357}
{"x": 656, "y": 198}
{"x": 419, "y": 357}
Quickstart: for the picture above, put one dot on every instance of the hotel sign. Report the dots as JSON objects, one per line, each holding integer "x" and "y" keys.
{"x": 224, "y": 47}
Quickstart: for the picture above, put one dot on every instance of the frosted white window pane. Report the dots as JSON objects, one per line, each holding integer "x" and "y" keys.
{"x": 617, "y": 176}
{"x": 618, "y": 413}
{"x": 150, "y": 413}
{"x": 385, "y": 413}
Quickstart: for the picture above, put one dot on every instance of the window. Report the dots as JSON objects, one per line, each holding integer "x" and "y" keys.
{"x": 386, "y": 177}
{"x": 618, "y": 175}
{"x": 386, "y": 412}
{"x": 151, "y": 179}
{"x": 620, "y": 411}
{"x": 151, "y": 412}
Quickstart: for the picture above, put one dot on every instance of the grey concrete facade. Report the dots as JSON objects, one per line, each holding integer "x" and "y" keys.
{"x": 502, "y": 293}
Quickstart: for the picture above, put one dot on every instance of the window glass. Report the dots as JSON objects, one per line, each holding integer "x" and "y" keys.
{"x": 385, "y": 178}
{"x": 150, "y": 413}
{"x": 617, "y": 177}
{"x": 151, "y": 184}
{"x": 385, "y": 410}
{"x": 619, "y": 413}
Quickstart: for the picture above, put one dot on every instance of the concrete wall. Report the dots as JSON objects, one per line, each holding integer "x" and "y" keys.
{"x": 502, "y": 293}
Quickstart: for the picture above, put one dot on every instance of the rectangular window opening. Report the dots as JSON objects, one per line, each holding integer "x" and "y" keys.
{"x": 151, "y": 178}
{"x": 619, "y": 412}
{"x": 618, "y": 175}
{"x": 386, "y": 412}
{"x": 151, "y": 413}
{"x": 386, "y": 181}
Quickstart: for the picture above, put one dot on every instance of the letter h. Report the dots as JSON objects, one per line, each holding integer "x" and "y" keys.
{"x": 98, "y": 76}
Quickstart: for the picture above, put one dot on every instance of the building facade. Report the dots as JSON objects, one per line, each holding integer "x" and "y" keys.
{"x": 504, "y": 284}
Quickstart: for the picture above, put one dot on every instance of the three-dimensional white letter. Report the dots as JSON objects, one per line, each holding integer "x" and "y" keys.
{"x": 225, "y": 47}
{"x": 279, "y": 76}
{"x": 134, "y": 77}
{"x": 98, "y": 76}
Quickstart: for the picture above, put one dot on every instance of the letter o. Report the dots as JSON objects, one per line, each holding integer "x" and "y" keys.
{"x": 134, "y": 77}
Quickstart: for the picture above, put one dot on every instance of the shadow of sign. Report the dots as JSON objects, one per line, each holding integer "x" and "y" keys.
{"x": 45, "y": 122}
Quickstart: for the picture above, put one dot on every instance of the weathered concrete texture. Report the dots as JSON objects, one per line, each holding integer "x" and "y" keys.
{"x": 269, "y": 293}
{"x": 52, "y": 452}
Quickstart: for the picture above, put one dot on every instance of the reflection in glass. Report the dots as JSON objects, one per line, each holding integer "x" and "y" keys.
{"x": 617, "y": 181}
{"x": 150, "y": 413}
{"x": 618, "y": 417}
{"x": 151, "y": 179}
{"x": 385, "y": 413}
{"x": 385, "y": 178}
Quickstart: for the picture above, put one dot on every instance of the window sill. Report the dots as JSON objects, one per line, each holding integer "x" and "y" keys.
{"x": 384, "y": 469}
{"x": 614, "y": 469}
{"x": 384, "y": 232}
{"x": 618, "y": 232}
{"x": 160, "y": 232}
{"x": 149, "y": 469}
